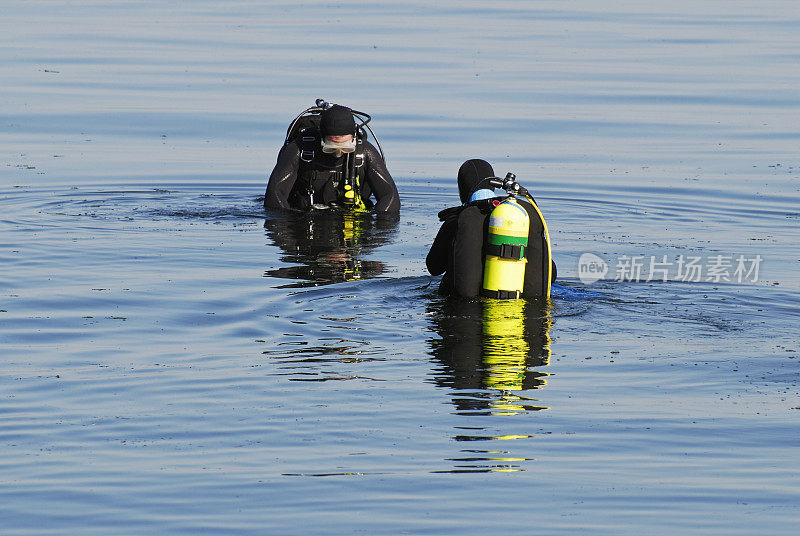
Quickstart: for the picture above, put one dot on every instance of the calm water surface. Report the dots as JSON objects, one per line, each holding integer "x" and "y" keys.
{"x": 177, "y": 361}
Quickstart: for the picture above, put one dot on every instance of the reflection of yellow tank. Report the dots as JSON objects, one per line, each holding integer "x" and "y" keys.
{"x": 507, "y": 351}
{"x": 352, "y": 225}
{"x": 507, "y": 242}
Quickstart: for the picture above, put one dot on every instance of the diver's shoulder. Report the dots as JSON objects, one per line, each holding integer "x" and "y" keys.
{"x": 289, "y": 150}
{"x": 369, "y": 150}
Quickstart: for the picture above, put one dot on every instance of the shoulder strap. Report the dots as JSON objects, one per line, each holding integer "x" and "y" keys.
{"x": 451, "y": 212}
{"x": 307, "y": 140}
{"x": 358, "y": 158}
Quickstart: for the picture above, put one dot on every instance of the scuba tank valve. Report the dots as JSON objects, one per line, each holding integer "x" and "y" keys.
{"x": 509, "y": 184}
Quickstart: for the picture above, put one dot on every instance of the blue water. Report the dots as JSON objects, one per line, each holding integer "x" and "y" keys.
{"x": 177, "y": 361}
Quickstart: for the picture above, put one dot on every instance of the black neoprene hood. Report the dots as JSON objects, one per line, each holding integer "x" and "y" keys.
{"x": 337, "y": 121}
{"x": 470, "y": 174}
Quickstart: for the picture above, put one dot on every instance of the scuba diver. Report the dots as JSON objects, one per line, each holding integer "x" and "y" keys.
{"x": 492, "y": 245}
{"x": 327, "y": 161}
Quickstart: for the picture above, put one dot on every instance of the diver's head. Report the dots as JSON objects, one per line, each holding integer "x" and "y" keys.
{"x": 470, "y": 174}
{"x": 337, "y": 130}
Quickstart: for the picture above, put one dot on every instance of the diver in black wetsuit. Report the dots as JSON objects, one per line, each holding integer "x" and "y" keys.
{"x": 458, "y": 251}
{"x": 318, "y": 174}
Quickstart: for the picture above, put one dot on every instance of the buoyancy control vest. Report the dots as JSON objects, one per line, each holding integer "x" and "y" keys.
{"x": 516, "y": 258}
{"x": 321, "y": 178}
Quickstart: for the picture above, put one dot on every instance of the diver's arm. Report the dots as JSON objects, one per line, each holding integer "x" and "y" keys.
{"x": 283, "y": 178}
{"x": 436, "y": 261}
{"x": 380, "y": 182}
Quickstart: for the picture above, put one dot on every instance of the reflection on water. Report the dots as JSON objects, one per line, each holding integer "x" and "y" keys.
{"x": 509, "y": 339}
{"x": 488, "y": 350}
{"x": 328, "y": 246}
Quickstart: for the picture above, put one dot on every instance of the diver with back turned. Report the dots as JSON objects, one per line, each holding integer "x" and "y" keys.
{"x": 492, "y": 245}
{"x": 327, "y": 161}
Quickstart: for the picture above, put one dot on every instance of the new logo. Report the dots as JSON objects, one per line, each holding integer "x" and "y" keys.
{"x": 591, "y": 268}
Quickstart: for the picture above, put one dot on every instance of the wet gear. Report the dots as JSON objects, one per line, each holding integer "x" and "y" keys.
{"x": 305, "y": 176}
{"x": 462, "y": 243}
{"x": 472, "y": 175}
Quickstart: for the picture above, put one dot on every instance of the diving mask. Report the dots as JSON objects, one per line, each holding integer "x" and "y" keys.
{"x": 330, "y": 146}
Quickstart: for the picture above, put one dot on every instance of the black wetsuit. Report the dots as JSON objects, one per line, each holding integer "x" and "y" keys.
{"x": 458, "y": 252}
{"x": 288, "y": 183}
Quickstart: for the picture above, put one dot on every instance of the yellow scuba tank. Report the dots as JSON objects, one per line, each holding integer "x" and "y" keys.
{"x": 506, "y": 247}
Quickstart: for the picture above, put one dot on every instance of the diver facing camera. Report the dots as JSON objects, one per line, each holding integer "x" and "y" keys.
{"x": 495, "y": 244}
{"x": 326, "y": 161}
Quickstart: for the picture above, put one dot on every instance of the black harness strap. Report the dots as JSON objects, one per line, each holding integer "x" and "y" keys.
{"x": 506, "y": 251}
{"x": 501, "y": 294}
